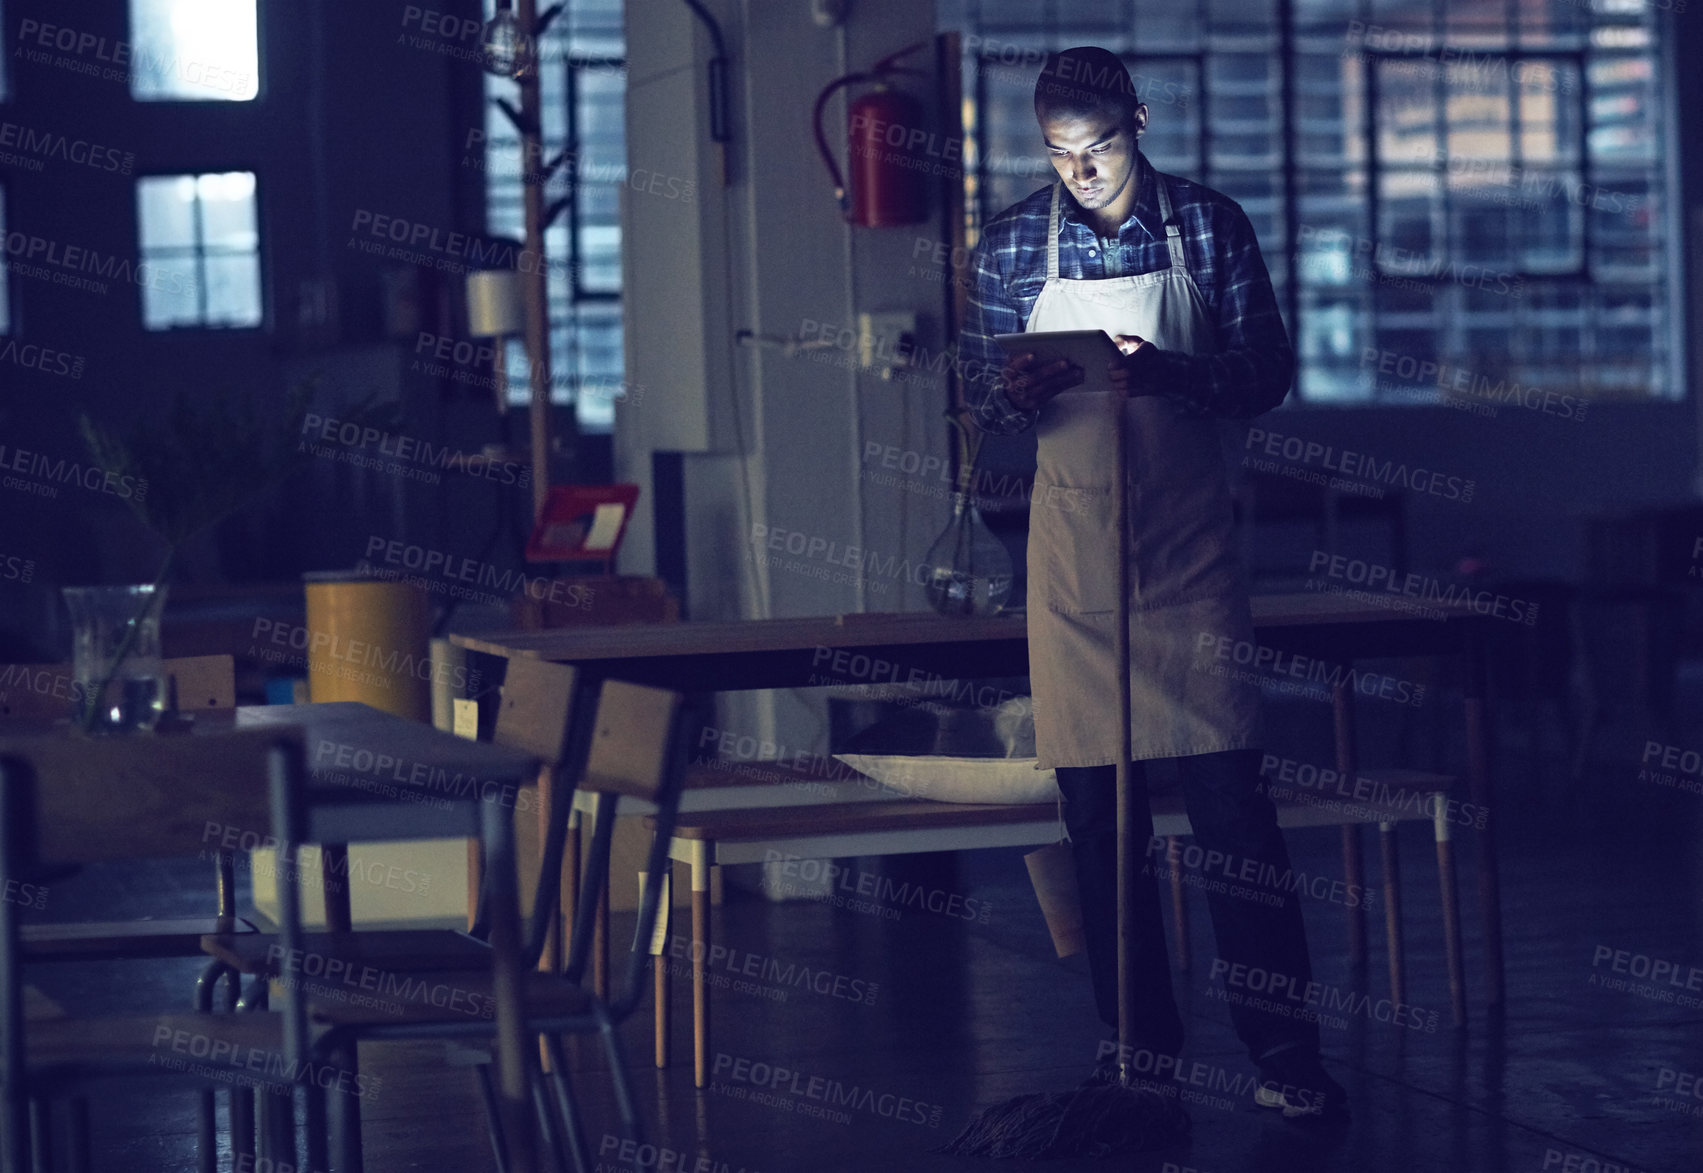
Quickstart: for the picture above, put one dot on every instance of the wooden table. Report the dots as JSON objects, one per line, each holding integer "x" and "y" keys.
{"x": 792, "y": 653}
{"x": 373, "y": 776}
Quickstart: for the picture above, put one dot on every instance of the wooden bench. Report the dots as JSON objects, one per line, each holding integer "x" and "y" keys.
{"x": 706, "y": 839}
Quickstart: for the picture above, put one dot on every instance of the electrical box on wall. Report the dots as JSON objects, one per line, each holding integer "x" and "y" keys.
{"x": 885, "y": 340}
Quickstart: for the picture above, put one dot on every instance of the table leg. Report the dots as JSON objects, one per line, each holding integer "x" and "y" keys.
{"x": 508, "y": 979}
{"x": 600, "y": 943}
{"x": 334, "y": 884}
{"x": 1353, "y": 866}
{"x": 550, "y": 960}
{"x": 1449, "y": 893}
{"x": 475, "y": 870}
{"x": 570, "y": 875}
{"x": 700, "y": 969}
{"x": 1179, "y": 905}
{"x": 663, "y": 986}
{"x": 1479, "y": 778}
{"x": 1391, "y": 860}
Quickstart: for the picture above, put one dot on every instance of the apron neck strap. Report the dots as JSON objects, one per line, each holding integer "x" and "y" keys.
{"x": 1173, "y": 230}
{"x": 1052, "y": 235}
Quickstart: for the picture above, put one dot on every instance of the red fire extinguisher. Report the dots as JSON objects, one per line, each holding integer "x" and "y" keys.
{"x": 887, "y": 154}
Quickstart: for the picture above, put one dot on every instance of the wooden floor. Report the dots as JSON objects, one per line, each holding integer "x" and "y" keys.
{"x": 938, "y": 1016}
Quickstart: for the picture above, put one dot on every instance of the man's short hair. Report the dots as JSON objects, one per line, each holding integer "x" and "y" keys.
{"x": 1082, "y": 82}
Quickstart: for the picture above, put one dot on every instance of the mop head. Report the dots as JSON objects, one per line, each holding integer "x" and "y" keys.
{"x": 1094, "y": 1120}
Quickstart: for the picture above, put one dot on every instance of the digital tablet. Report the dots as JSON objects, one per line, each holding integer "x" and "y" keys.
{"x": 1087, "y": 349}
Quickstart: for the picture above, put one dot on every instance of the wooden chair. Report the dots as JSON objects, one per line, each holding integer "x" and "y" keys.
{"x": 637, "y": 750}
{"x": 629, "y": 744}
{"x": 70, "y": 799}
{"x": 537, "y": 716}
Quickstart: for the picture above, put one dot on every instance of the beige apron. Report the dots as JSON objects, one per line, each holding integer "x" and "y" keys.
{"x": 1185, "y": 585}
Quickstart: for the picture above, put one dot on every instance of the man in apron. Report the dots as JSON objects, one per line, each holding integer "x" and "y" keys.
{"x": 1171, "y": 270}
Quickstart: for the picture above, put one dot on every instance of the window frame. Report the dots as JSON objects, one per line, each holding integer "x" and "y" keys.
{"x": 1575, "y": 46}
{"x": 263, "y": 321}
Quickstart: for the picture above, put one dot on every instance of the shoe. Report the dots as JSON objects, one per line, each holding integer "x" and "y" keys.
{"x": 1295, "y": 1082}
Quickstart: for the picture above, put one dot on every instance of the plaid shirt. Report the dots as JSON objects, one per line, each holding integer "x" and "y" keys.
{"x": 1247, "y": 373}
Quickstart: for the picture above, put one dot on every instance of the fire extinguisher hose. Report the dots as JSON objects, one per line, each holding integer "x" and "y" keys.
{"x": 876, "y": 72}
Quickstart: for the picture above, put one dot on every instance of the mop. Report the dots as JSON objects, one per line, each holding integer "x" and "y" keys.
{"x": 1098, "y": 1118}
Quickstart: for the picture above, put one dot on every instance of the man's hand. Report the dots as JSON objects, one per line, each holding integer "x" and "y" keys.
{"x": 1028, "y": 387}
{"x": 1128, "y": 373}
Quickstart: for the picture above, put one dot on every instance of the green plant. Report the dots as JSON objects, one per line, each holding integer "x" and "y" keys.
{"x": 196, "y": 465}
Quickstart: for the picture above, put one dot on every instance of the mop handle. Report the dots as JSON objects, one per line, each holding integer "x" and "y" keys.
{"x": 1127, "y": 858}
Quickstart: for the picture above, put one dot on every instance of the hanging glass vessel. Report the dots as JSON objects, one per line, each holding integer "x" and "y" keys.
{"x": 968, "y": 569}
{"x": 509, "y": 49}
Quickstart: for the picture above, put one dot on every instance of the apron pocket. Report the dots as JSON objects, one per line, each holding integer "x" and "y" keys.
{"x": 1073, "y": 551}
{"x": 1186, "y": 550}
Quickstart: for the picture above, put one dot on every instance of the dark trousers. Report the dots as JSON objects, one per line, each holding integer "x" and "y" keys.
{"x": 1232, "y": 816}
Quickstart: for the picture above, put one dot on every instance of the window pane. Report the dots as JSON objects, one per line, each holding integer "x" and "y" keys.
{"x": 1171, "y": 88}
{"x": 1408, "y": 126}
{"x": 233, "y": 291}
{"x": 171, "y": 294}
{"x": 227, "y": 211}
{"x": 193, "y": 50}
{"x": 199, "y": 249}
{"x": 167, "y": 207}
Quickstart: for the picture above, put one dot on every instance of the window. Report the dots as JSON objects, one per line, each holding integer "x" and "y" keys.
{"x": 200, "y": 250}
{"x": 583, "y": 86}
{"x": 193, "y": 51}
{"x": 1465, "y": 184}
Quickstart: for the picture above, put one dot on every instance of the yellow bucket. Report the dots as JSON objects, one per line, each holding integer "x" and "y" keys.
{"x": 369, "y": 641}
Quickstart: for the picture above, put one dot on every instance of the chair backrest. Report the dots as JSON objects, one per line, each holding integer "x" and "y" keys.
{"x": 538, "y": 715}
{"x": 47, "y": 692}
{"x": 65, "y": 797}
{"x": 538, "y": 699}
{"x": 638, "y": 750}
{"x": 631, "y": 750}
{"x": 142, "y": 795}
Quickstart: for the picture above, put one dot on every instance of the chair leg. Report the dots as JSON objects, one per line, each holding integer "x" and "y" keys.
{"x": 663, "y": 988}
{"x": 1449, "y": 892}
{"x": 548, "y": 1124}
{"x": 1179, "y": 904}
{"x": 624, "y": 1101}
{"x": 493, "y": 1116}
{"x": 344, "y": 1118}
{"x": 1353, "y": 867}
{"x": 570, "y": 877}
{"x": 206, "y": 1123}
{"x": 600, "y": 944}
{"x": 566, "y": 1106}
{"x": 700, "y": 975}
{"x": 244, "y": 1134}
{"x": 16, "y": 1132}
{"x": 41, "y": 1134}
{"x": 316, "y": 1125}
{"x": 277, "y": 1127}
{"x": 77, "y": 1142}
{"x": 663, "y": 1024}
{"x": 1392, "y": 911}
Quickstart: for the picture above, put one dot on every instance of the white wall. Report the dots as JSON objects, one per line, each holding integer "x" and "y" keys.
{"x": 775, "y": 441}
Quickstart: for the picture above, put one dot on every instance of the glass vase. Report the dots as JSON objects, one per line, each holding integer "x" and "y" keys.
{"x": 115, "y": 656}
{"x": 968, "y": 569}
